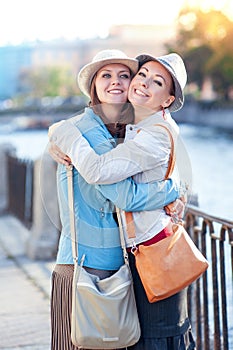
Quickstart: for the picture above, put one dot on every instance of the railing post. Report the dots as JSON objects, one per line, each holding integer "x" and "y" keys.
{"x": 43, "y": 240}
{"x": 223, "y": 291}
{"x": 217, "y": 344}
{"x": 5, "y": 149}
{"x": 205, "y": 316}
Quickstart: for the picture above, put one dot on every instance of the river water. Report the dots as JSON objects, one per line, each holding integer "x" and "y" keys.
{"x": 210, "y": 153}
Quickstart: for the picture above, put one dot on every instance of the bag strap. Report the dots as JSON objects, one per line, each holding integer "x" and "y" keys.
{"x": 130, "y": 227}
{"x": 74, "y": 235}
{"x": 172, "y": 157}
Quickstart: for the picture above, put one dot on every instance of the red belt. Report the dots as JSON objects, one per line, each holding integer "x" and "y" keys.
{"x": 161, "y": 235}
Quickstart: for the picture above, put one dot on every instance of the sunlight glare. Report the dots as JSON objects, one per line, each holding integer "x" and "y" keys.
{"x": 226, "y": 6}
{"x": 27, "y": 20}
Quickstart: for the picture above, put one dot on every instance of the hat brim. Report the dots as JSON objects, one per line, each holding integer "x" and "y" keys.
{"x": 86, "y": 74}
{"x": 179, "y": 96}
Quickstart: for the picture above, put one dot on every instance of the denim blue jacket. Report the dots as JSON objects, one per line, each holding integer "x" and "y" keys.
{"x": 98, "y": 235}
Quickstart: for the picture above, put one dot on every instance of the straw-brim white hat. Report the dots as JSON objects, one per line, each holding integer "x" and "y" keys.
{"x": 175, "y": 66}
{"x": 101, "y": 59}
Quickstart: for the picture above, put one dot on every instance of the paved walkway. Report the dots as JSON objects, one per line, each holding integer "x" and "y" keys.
{"x": 24, "y": 292}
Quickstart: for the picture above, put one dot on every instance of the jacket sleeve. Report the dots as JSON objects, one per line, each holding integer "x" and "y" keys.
{"x": 126, "y": 194}
{"x": 131, "y": 196}
{"x": 127, "y": 159}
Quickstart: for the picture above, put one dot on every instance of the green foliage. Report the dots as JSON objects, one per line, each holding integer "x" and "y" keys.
{"x": 196, "y": 61}
{"x": 47, "y": 81}
{"x": 205, "y": 40}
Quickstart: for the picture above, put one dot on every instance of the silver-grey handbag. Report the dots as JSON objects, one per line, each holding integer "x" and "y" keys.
{"x": 104, "y": 313}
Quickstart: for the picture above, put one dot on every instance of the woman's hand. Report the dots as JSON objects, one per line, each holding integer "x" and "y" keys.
{"x": 58, "y": 155}
{"x": 176, "y": 209}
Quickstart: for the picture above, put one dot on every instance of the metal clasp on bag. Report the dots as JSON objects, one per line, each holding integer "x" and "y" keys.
{"x": 134, "y": 248}
{"x": 81, "y": 260}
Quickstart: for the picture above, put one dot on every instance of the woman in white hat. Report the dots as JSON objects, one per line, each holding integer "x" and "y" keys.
{"x": 106, "y": 80}
{"x": 156, "y": 89}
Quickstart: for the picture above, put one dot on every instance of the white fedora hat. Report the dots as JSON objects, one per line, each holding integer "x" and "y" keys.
{"x": 102, "y": 58}
{"x": 175, "y": 66}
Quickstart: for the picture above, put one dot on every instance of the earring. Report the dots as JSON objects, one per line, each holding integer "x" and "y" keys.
{"x": 164, "y": 114}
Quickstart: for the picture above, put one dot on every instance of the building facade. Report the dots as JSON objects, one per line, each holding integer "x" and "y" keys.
{"x": 132, "y": 39}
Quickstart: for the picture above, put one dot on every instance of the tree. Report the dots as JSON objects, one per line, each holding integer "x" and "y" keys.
{"x": 205, "y": 40}
{"x": 47, "y": 81}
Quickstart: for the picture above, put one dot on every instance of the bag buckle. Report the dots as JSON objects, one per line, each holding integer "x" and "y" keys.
{"x": 134, "y": 248}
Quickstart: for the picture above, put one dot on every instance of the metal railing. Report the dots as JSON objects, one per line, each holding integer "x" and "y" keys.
{"x": 20, "y": 188}
{"x": 211, "y": 296}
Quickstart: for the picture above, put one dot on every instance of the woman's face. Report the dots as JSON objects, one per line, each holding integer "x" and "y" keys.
{"x": 151, "y": 87}
{"x": 112, "y": 83}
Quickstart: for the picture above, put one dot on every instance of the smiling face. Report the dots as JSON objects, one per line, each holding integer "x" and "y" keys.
{"x": 151, "y": 88}
{"x": 112, "y": 83}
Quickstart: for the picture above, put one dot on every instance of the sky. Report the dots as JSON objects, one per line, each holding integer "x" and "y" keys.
{"x": 29, "y": 20}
